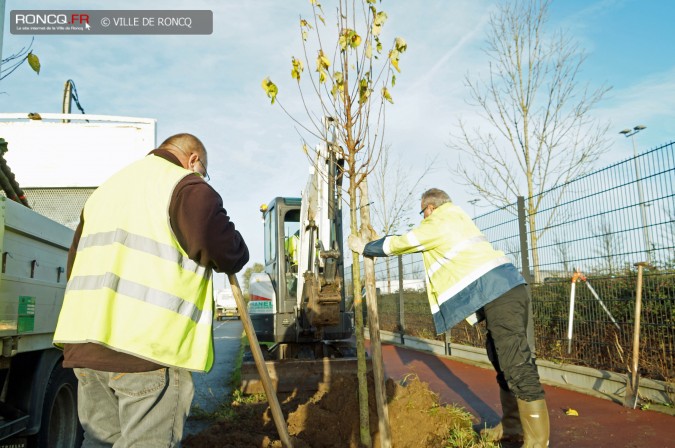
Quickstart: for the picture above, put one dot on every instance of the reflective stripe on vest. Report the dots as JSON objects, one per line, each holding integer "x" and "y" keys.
{"x": 143, "y": 244}
{"x": 132, "y": 287}
{"x": 140, "y": 292}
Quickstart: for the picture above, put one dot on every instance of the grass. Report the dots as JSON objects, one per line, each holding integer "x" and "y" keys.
{"x": 463, "y": 434}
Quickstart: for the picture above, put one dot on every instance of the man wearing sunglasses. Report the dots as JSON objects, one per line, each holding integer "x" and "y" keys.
{"x": 466, "y": 276}
{"x": 138, "y": 308}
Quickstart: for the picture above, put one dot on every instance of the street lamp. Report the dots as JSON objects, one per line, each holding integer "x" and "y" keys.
{"x": 630, "y": 133}
{"x": 473, "y": 202}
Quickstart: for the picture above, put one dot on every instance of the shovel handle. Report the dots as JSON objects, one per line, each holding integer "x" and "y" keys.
{"x": 636, "y": 325}
{"x": 278, "y": 416}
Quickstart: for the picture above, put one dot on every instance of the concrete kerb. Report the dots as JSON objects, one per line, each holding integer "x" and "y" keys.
{"x": 594, "y": 382}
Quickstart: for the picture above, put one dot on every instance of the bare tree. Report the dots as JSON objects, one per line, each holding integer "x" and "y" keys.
{"x": 394, "y": 189}
{"x": 540, "y": 133}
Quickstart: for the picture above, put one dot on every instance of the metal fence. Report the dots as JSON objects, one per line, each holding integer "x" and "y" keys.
{"x": 601, "y": 224}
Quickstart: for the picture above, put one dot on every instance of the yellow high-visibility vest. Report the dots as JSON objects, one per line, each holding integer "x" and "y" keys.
{"x": 132, "y": 287}
{"x": 463, "y": 271}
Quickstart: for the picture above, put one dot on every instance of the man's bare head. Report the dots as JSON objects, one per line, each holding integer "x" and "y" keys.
{"x": 189, "y": 150}
{"x": 432, "y": 199}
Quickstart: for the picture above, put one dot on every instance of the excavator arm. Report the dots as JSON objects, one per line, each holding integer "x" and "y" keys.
{"x": 298, "y": 303}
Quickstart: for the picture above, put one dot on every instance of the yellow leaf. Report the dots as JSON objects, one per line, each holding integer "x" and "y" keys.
{"x": 369, "y": 50}
{"x": 305, "y": 148}
{"x": 395, "y": 64}
{"x": 270, "y": 89}
{"x": 338, "y": 83}
{"x": 387, "y": 95}
{"x": 393, "y": 80}
{"x": 380, "y": 18}
{"x": 349, "y": 37}
{"x": 393, "y": 57}
{"x": 306, "y": 24}
{"x": 322, "y": 19}
{"x": 34, "y": 62}
{"x": 298, "y": 68}
{"x": 400, "y": 45}
{"x": 322, "y": 61}
{"x": 571, "y": 412}
{"x": 322, "y": 76}
{"x": 342, "y": 41}
{"x": 378, "y": 22}
{"x": 364, "y": 91}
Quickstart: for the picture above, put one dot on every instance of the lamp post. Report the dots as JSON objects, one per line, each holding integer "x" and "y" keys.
{"x": 473, "y": 202}
{"x": 630, "y": 133}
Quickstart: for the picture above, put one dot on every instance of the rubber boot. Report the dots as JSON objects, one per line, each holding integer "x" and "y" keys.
{"x": 534, "y": 418}
{"x": 509, "y": 428}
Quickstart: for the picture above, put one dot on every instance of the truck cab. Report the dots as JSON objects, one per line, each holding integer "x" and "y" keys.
{"x": 38, "y": 405}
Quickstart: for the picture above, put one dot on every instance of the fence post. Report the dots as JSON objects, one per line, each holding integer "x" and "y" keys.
{"x": 522, "y": 231}
{"x": 401, "y": 317}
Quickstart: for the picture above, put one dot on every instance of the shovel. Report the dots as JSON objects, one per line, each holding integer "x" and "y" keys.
{"x": 277, "y": 415}
{"x": 633, "y": 381}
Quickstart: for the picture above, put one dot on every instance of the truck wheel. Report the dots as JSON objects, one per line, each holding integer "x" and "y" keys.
{"x": 60, "y": 426}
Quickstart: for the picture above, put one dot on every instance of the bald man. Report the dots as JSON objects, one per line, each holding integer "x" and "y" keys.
{"x": 138, "y": 309}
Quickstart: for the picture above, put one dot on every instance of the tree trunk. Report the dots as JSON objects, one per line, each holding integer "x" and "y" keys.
{"x": 361, "y": 373}
{"x": 374, "y": 324}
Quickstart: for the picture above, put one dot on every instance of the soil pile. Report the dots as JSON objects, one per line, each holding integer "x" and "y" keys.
{"x": 329, "y": 418}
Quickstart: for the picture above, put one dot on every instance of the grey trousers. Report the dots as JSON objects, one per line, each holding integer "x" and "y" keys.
{"x": 145, "y": 409}
{"x": 507, "y": 344}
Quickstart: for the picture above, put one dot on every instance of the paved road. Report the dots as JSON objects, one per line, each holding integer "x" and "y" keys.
{"x": 212, "y": 387}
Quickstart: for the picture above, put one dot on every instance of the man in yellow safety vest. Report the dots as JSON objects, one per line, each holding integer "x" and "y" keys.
{"x": 466, "y": 276}
{"x": 138, "y": 308}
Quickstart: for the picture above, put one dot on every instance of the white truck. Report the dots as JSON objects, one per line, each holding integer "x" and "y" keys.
{"x": 58, "y": 160}
{"x": 226, "y": 306}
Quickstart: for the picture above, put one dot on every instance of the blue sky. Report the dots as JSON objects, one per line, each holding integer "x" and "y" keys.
{"x": 210, "y": 85}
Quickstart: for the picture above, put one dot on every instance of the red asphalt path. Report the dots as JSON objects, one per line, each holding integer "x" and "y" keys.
{"x": 601, "y": 423}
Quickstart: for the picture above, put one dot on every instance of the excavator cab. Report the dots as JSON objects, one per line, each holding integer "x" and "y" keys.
{"x": 289, "y": 295}
{"x": 298, "y": 302}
